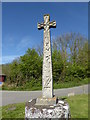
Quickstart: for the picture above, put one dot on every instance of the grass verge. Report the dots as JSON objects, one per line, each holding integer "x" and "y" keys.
{"x": 0, "y": 88}
{"x": 78, "y": 108}
{"x": 37, "y": 86}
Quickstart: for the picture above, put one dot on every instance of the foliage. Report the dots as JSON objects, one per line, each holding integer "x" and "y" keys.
{"x": 37, "y": 86}
{"x": 57, "y": 64}
{"x": 69, "y": 61}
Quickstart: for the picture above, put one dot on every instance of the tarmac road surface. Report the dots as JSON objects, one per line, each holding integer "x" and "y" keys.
{"x": 10, "y": 97}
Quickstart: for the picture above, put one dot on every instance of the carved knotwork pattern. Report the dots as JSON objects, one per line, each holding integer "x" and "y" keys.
{"x": 48, "y": 80}
{"x": 47, "y": 64}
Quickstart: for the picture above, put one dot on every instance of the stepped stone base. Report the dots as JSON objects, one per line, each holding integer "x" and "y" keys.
{"x": 58, "y": 110}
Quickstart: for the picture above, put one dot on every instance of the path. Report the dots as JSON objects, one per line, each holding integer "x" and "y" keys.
{"x": 10, "y": 97}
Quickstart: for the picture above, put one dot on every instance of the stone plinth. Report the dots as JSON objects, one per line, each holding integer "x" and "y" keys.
{"x": 58, "y": 110}
{"x": 46, "y": 101}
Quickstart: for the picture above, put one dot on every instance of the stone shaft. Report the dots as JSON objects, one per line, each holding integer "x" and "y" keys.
{"x": 47, "y": 79}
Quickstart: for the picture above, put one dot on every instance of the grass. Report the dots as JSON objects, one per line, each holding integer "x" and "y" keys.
{"x": 37, "y": 86}
{"x": 70, "y": 84}
{"x": 0, "y": 88}
{"x": 78, "y": 108}
{"x": 14, "y": 111}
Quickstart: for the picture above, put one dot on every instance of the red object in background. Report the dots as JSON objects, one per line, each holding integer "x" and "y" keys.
{"x": 2, "y": 78}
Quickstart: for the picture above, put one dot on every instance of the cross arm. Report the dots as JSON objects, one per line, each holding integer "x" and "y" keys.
{"x": 52, "y": 24}
{"x": 40, "y": 26}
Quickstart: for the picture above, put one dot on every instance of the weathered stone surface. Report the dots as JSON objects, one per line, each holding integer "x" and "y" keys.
{"x": 46, "y": 101}
{"x": 47, "y": 80}
{"x": 59, "y": 110}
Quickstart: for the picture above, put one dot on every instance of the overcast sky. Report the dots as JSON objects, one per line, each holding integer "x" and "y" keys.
{"x": 19, "y": 24}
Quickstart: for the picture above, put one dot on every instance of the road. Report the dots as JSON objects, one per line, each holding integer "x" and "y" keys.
{"x": 10, "y": 97}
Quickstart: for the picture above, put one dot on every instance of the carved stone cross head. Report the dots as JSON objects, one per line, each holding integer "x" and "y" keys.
{"x": 46, "y": 24}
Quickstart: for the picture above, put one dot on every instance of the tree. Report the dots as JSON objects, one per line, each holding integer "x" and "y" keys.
{"x": 31, "y": 65}
{"x": 57, "y": 65}
{"x": 69, "y": 60}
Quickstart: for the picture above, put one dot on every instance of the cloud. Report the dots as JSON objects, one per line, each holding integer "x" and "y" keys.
{"x": 8, "y": 59}
{"x": 25, "y": 43}
{"x": 8, "y": 40}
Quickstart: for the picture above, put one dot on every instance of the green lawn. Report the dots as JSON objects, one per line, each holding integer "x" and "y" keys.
{"x": 13, "y": 111}
{"x": 78, "y": 107}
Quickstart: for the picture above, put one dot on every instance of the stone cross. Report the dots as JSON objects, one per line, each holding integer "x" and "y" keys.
{"x": 47, "y": 80}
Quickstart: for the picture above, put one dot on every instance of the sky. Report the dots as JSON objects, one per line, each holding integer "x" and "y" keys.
{"x": 19, "y": 24}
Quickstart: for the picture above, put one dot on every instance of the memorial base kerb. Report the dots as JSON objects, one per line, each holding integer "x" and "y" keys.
{"x": 58, "y": 110}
